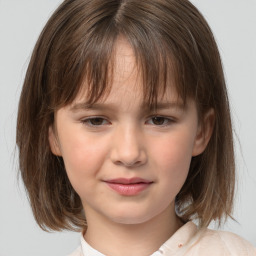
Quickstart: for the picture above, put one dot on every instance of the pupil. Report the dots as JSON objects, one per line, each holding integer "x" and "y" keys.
{"x": 158, "y": 120}
{"x": 96, "y": 121}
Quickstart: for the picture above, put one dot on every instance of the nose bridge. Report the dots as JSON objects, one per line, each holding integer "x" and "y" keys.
{"x": 128, "y": 148}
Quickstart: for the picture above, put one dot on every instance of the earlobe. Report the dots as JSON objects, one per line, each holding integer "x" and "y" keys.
{"x": 54, "y": 145}
{"x": 204, "y": 133}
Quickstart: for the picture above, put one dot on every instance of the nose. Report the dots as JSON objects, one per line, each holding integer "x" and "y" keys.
{"x": 128, "y": 148}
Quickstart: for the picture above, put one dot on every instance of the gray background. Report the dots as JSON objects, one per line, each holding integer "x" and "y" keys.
{"x": 234, "y": 25}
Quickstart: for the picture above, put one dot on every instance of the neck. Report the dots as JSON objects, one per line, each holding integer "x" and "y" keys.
{"x": 111, "y": 238}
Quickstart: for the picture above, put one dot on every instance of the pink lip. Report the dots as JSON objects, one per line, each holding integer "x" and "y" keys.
{"x": 128, "y": 187}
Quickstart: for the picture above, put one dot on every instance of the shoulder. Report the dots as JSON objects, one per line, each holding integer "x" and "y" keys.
{"x": 224, "y": 242}
{"x": 77, "y": 252}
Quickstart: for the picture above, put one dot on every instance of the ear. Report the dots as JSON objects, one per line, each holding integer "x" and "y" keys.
{"x": 204, "y": 133}
{"x": 53, "y": 141}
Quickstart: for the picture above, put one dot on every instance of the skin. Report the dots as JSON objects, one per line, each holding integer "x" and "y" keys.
{"x": 125, "y": 140}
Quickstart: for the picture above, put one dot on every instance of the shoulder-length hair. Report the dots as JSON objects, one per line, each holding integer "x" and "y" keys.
{"x": 167, "y": 36}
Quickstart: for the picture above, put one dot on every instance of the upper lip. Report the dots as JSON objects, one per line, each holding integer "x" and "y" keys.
{"x": 128, "y": 181}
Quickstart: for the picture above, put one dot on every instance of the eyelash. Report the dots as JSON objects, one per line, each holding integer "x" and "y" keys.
{"x": 167, "y": 120}
{"x": 88, "y": 121}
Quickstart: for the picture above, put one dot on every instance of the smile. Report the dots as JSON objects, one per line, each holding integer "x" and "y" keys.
{"x": 128, "y": 187}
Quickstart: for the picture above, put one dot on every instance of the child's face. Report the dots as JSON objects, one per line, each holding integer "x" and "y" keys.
{"x": 119, "y": 140}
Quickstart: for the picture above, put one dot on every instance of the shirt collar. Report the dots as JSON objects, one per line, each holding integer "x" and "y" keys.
{"x": 88, "y": 250}
{"x": 177, "y": 244}
{"x": 180, "y": 241}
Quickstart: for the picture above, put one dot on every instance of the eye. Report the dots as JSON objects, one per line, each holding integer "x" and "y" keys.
{"x": 160, "y": 121}
{"x": 95, "y": 121}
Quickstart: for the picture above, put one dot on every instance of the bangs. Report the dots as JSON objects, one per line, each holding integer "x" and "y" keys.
{"x": 85, "y": 58}
{"x": 155, "y": 71}
{"x": 93, "y": 77}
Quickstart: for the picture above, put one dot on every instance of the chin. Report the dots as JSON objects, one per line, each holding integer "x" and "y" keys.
{"x": 132, "y": 218}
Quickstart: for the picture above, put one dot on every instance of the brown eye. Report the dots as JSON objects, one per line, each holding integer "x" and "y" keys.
{"x": 158, "y": 120}
{"x": 95, "y": 121}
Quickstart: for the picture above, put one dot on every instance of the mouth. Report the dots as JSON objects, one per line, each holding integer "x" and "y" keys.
{"x": 129, "y": 187}
{"x": 129, "y": 181}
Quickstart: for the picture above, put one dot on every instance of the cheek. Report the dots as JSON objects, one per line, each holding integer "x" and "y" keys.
{"x": 82, "y": 156}
{"x": 173, "y": 157}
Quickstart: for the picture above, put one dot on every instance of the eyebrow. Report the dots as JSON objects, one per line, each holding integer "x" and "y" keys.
{"x": 110, "y": 106}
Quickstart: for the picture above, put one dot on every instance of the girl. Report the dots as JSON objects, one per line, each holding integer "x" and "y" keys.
{"x": 124, "y": 130}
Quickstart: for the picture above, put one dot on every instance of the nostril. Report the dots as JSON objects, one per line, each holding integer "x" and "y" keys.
{"x": 128, "y": 154}
{"x": 128, "y": 164}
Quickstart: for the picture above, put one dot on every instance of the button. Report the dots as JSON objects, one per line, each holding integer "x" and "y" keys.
{"x": 161, "y": 251}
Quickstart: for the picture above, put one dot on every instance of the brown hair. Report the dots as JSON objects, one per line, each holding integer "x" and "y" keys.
{"x": 77, "y": 44}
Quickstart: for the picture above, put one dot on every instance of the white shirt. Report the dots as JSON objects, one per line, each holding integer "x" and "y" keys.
{"x": 190, "y": 241}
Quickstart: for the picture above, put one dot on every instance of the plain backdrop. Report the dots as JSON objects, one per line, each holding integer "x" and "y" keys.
{"x": 234, "y": 25}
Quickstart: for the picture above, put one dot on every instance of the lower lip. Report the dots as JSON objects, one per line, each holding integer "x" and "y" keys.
{"x": 128, "y": 189}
